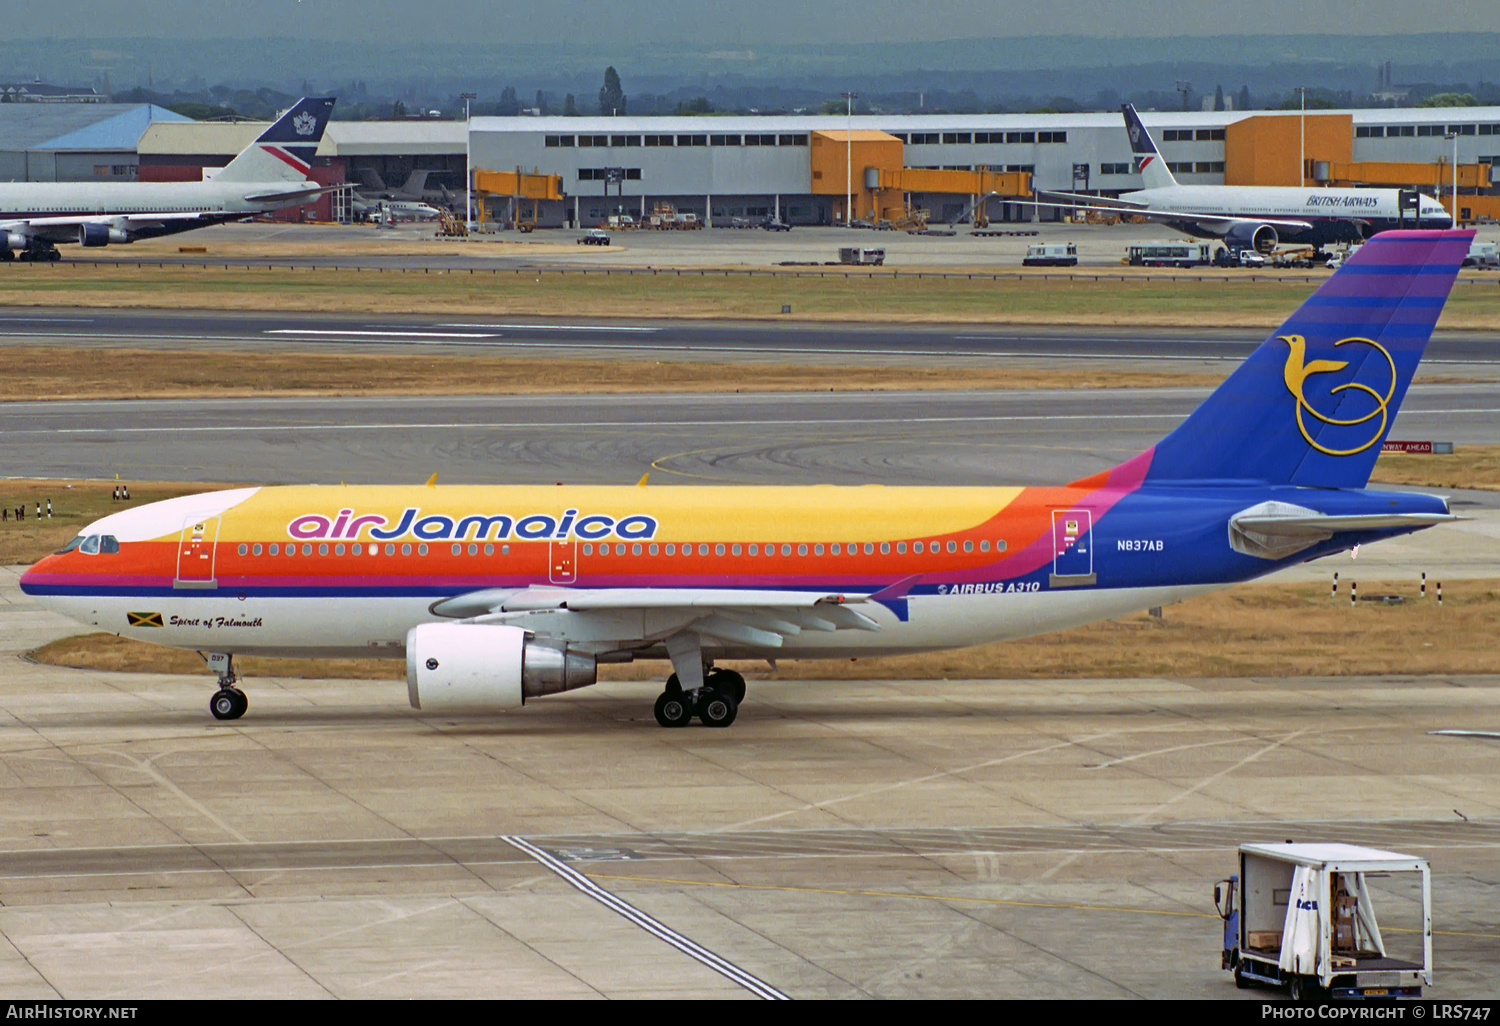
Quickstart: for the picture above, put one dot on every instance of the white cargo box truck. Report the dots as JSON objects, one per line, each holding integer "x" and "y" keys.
{"x": 1303, "y": 916}
{"x": 1051, "y": 254}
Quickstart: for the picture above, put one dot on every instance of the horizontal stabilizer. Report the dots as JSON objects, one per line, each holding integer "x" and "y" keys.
{"x": 1275, "y": 530}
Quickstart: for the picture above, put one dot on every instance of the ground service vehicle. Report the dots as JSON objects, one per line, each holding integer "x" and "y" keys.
{"x": 1051, "y": 254}
{"x": 1483, "y": 254}
{"x": 1168, "y": 254}
{"x": 1302, "y": 916}
{"x": 594, "y": 237}
{"x": 861, "y": 255}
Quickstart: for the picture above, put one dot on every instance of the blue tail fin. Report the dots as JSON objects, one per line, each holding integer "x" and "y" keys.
{"x": 1312, "y": 405}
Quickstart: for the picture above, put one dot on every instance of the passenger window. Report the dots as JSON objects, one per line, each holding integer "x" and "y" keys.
{"x": 901, "y": 548}
{"x": 885, "y": 548}
{"x": 869, "y": 548}
{"x": 1000, "y": 545}
{"x": 984, "y": 545}
{"x": 244, "y": 549}
{"x": 801, "y": 550}
{"x": 390, "y": 549}
{"x": 786, "y": 550}
{"x": 338, "y": 550}
{"x": 953, "y": 546}
{"x": 323, "y": 549}
{"x": 635, "y": 550}
{"x": 833, "y": 549}
{"x": 406, "y": 549}
{"x": 719, "y": 549}
{"x": 916, "y": 547}
{"x": 671, "y": 550}
{"x": 703, "y": 549}
{"x": 817, "y": 550}
{"x": 735, "y": 551}
{"x": 654, "y": 550}
{"x": 275, "y": 549}
{"x": 473, "y": 549}
{"x": 489, "y": 550}
{"x": 969, "y": 545}
{"x": 357, "y": 549}
{"x": 255, "y": 549}
{"x": 307, "y": 550}
{"x": 421, "y": 550}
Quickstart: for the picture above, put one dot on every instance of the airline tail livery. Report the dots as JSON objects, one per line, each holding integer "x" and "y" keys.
{"x": 497, "y": 595}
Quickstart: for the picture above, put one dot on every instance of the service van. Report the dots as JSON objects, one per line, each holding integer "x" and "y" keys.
{"x": 1051, "y": 254}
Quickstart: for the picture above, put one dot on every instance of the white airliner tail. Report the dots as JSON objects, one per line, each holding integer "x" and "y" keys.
{"x": 1148, "y": 162}
{"x": 284, "y": 153}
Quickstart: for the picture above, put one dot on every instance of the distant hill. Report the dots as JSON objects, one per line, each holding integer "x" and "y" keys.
{"x": 985, "y": 73}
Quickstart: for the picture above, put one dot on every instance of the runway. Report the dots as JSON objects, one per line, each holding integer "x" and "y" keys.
{"x": 932, "y": 438}
{"x": 724, "y": 342}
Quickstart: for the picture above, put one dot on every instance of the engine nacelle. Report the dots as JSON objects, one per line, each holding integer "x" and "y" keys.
{"x": 486, "y": 668}
{"x": 100, "y": 235}
{"x": 13, "y": 240}
{"x": 1260, "y": 237}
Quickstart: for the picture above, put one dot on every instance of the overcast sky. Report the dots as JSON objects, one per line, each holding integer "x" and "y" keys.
{"x": 738, "y": 22}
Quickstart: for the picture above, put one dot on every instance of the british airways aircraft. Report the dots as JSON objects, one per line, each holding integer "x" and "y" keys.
{"x": 1256, "y": 217}
{"x": 496, "y": 595}
{"x": 269, "y": 174}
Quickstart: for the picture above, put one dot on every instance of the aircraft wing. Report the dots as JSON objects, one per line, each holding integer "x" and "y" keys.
{"x": 763, "y": 618}
{"x": 65, "y": 229}
{"x": 1216, "y": 223}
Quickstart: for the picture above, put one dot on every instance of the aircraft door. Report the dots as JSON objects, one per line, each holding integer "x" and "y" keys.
{"x": 562, "y": 561}
{"x": 1072, "y": 547}
{"x": 196, "y": 549}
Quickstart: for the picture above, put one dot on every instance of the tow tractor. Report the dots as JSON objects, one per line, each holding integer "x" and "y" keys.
{"x": 1302, "y": 916}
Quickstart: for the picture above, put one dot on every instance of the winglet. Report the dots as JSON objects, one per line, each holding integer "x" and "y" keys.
{"x": 642, "y": 482}
{"x": 432, "y": 481}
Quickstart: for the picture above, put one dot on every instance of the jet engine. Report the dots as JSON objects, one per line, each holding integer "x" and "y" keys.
{"x": 486, "y": 668}
{"x": 100, "y": 235}
{"x": 1260, "y": 237}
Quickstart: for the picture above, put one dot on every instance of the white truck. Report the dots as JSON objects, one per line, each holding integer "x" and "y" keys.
{"x": 1302, "y": 916}
{"x": 861, "y": 255}
{"x": 1051, "y": 254}
{"x": 1483, "y": 254}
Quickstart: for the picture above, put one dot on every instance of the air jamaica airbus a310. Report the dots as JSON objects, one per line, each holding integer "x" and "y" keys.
{"x": 497, "y": 595}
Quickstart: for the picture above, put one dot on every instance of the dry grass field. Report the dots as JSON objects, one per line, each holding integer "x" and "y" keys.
{"x": 888, "y": 296}
{"x": 39, "y": 372}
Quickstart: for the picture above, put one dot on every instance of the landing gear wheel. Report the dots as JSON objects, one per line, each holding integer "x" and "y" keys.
{"x": 673, "y": 708}
{"x": 228, "y": 704}
{"x": 727, "y": 682}
{"x": 716, "y": 709}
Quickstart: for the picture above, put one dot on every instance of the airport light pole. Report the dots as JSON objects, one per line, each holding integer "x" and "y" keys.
{"x": 1454, "y": 137}
{"x": 468, "y": 164}
{"x": 849, "y": 99}
{"x": 1302, "y": 146}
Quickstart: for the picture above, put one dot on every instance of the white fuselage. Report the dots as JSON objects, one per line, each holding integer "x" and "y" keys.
{"x": 77, "y": 199}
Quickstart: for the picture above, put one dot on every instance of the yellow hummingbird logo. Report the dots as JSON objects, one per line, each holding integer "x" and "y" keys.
{"x": 1298, "y": 370}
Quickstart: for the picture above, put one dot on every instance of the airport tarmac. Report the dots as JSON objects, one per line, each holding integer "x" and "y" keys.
{"x": 1100, "y": 247}
{"x": 941, "y": 839}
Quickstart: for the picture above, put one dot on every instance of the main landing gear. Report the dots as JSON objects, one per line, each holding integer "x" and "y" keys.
{"x": 229, "y": 702}
{"x": 40, "y": 251}
{"x": 716, "y": 704}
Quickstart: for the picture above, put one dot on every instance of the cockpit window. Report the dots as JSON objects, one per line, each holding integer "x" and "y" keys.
{"x": 73, "y": 544}
{"x": 109, "y": 544}
{"x": 90, "y": 546}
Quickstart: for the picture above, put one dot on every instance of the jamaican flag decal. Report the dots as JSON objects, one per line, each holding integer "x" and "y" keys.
{"x": 144, "y": 619}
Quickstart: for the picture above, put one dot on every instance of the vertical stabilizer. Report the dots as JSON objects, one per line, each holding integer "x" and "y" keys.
{"x": 284, "y": 153}
{"x": 1148, "y": 162}
{"x": 1312, "y": 405}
